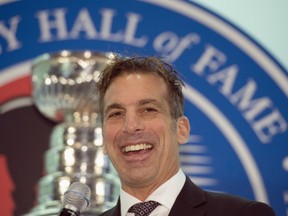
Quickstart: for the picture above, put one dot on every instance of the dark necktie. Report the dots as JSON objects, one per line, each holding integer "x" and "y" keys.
{"x": 143, "y": 208}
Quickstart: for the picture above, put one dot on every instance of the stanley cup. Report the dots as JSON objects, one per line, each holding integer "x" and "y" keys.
{"x": 65, "y": 91}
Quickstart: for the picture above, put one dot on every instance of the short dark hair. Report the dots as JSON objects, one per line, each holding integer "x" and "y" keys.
{"x": 149, "y": 64}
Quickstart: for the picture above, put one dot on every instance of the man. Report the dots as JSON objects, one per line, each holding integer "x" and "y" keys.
{"x": 142, "y": 109}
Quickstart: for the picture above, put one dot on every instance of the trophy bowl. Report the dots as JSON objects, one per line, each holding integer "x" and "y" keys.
{"x": 65, "y": 83}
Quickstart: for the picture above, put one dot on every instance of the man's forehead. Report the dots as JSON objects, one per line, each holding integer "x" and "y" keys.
{"x": 126, "y": 87}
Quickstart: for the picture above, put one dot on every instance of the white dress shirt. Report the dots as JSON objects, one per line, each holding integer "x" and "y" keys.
{"x": 166, "y": 195}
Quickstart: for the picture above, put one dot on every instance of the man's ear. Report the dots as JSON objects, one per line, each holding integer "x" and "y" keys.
{"x": 183, "y": 129}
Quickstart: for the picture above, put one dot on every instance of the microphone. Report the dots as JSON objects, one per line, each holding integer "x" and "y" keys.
{"x": 76, "y": 199}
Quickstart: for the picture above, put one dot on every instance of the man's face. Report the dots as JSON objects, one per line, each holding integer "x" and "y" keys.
{"x": 140, "y": 136}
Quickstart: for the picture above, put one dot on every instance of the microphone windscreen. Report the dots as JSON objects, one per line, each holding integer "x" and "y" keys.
{"x": 77, "y": 196}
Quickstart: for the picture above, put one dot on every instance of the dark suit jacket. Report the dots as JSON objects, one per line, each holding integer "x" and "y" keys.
{"x": 193, "y": 201}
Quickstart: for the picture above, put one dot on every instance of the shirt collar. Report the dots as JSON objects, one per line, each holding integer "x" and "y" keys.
{"x": 172, "y": 187}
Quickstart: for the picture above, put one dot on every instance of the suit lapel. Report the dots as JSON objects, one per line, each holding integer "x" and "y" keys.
{"x": 115, "y": 211}
{"x": 188, "y": 200}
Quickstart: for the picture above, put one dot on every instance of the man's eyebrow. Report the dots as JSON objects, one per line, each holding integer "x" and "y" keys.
{"x": 113, "y": 106}
{"x": 149, "y": 101}
{"x": 139, "y": 103}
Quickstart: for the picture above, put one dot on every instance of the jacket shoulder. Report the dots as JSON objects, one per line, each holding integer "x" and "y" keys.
{"x": 220, "y": 202}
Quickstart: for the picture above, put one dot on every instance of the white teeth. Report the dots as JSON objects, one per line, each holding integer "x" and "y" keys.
{"x": 136, "y": 147}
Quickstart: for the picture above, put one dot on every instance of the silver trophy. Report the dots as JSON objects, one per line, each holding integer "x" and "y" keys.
{"x": 65, "y": 91}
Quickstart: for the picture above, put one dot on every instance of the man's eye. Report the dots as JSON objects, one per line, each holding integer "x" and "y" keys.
{"x": 114, "y": 114}
{"x": 150, "y": 110}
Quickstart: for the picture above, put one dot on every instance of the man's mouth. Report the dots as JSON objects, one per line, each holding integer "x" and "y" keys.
{"x": 137, "y": 147}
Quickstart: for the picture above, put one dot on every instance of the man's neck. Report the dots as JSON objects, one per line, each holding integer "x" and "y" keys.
{"x": 142, "y": 192}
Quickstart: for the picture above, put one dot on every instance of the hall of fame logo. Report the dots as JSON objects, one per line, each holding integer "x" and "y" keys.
{"x": 235, "y": 95}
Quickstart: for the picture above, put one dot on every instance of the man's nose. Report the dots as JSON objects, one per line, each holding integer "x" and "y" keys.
{"x": 132, "y": 123}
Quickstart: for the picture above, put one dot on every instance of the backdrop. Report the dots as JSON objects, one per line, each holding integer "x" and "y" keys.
{"x": 236, "y": 94}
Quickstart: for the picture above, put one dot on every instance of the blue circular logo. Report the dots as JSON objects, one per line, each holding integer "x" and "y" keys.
{"x": 235, "y": 95}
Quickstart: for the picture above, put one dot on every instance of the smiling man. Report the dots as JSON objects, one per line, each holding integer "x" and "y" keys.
{"x": 142, "y": 109}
